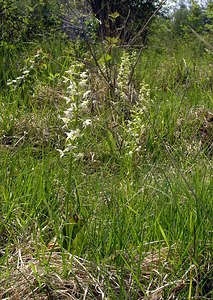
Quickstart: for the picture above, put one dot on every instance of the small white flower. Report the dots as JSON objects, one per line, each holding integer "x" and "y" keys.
{"x": 72, "y": 86}
{"x": 84, "y": 75}
{"x": 84, "y": 83}
{"x": 67, "y": 99}
{"x": 85, "y": 95}
{"x": 26, "y": 72}
{"x": 68, "y": 71}
{"x": 87, "y": 123}
{"x": 72, "y": 92}
{"x": 79, "y": 155}
{"x": 130, "y": 153}
{"x": 73, "y": 134}
{"x": 84, "y": 104}
{"x": 65, "y": 120}
{"x": 68, "y": 113}
{"x": 69, "y": 148}
{"x": 65, "y": 79}
{"x": 61, "y": 152}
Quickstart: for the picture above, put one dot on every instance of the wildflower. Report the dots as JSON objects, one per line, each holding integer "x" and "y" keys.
{"x": 69, "y": 72}
{"x": 73, "y": 134}
{"x": 69, "y": 148}
{"x": 72, "y": 86}
{"x": 65, "y": 79}
{"x": 130, "y": 153}
{"x": 26, "y": 72}
{"x": 20, "y": 77}
{"x": 68, "y": 113}
{"x": 72, "y": 90}
{"x": 66, "y": 121}
{"x": 79, "y": 155}
{"x": 67, "y": 99}
{"x": 84, "y": 75}
{"x": 84, "y": 83}
{"x": 85, "y": 95}
{"x": 61, "y": 152}
{"x": 87, "y": 123}
{"x": 84, "y": 104}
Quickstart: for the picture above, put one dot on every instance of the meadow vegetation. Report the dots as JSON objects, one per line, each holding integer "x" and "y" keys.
{"x": 106, "y": 168}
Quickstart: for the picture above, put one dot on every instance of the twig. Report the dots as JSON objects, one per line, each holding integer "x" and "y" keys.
{"x": 138, "y": 34}
{"x": 201, "y": 39}
{"x": 147, "y": 22}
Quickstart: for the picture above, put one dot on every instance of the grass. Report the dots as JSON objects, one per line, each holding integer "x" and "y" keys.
{"x": 110, "y": 225}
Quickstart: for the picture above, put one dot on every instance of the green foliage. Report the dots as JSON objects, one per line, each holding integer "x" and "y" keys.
{"x": 41, "y": 18}
{"x": 124, "y": 19}
{"x": 73, "y": 234}
{"x": 23, "y": 20}
{"x": 180, "y": 20}
{"x": 196, "y": 17}
{"x": 209, "y": 17}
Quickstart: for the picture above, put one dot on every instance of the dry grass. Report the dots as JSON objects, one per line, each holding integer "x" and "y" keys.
{"x": 35, "y": 129}
{"x": 53, "y": 275}
{"x": 196, "y": 130}
{"x": 45, "y": 96}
